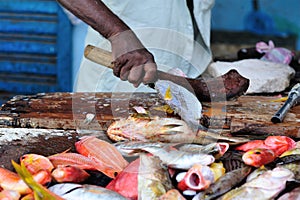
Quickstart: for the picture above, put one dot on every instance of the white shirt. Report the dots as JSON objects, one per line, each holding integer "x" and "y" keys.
{"x": 165, "y": 28}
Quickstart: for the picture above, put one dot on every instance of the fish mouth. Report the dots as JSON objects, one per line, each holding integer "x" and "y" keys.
{"x": 223, "y": 147}
{"x": 195, "y": 180}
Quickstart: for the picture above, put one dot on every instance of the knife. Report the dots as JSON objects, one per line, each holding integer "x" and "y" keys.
{"x": 225, "y": 87}
{"x": 292, "y": 100}
{"x": 182, "y": 100}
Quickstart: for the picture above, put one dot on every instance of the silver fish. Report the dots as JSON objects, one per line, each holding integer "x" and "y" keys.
{"x": 153, "y": 180}
{"x": 71, "y": 191}
{"x": 173, "y": 158}
{"x": 292, "y": 195}
{"x": 294, "y": 167}
{"x": 133, "y": 148}
{"x": 256, "y": 173}
{"x": 264, "y": 187}
{"x": 216, "y": 148}
{"x": 129, "y": 148}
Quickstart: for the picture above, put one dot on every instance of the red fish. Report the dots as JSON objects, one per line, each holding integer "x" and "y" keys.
{"x": 252, "y": 145}
{"x": 34, "y": 163}
{"x": 9, "y": 195}
{"x": 72, "y": 159}
{"x": 258, "y": 157}
{"x": 126, "y": 183}
{"x": 11, "y": 181}
{"x": 69, "y": 174}
{"x": 278, "y": 144}
{"x": 106, "y": 156}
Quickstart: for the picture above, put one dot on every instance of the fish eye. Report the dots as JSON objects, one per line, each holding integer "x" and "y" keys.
{"x": 115, "y": 174}
{"x": 257, "y": 152}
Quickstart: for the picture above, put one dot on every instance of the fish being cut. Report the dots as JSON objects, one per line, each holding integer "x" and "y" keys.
{"x": 168, "y": 130}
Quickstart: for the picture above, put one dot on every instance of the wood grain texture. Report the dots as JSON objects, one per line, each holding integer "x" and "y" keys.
{"x": 92, "y": 112}
{"x": 252, "y": 115}
{"x": 86, "y": 111}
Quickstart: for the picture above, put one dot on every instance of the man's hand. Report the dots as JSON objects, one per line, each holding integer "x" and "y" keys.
{"x": 136, "y": 66}
{"x": 132, "y": 61}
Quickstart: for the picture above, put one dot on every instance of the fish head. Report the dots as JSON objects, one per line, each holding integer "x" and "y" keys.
{"x": 222, "y": 148}
{"x": 258, "y": 157}
{"x": 198, "y": 177}
{"x": 154, "y": 129}
{"x": 34, "y": 163}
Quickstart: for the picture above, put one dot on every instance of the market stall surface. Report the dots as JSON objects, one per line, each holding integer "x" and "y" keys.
{"x": 51, "y": 123}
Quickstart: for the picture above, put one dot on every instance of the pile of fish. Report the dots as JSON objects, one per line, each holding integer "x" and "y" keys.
{"x": 160, "y": 159}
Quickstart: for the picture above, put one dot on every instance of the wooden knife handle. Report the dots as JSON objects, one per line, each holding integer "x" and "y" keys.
{"x": 98, "y": 55}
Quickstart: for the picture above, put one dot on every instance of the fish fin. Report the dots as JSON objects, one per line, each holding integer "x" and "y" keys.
{"x": 171, "y": 132}
{"x": 67, "y": 150}
{"x": 171, "y": 129}
{"x": 40, "y": 192}
{"x": 172, "y": 125}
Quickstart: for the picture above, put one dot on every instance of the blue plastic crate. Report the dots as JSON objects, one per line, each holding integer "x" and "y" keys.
{"x": 35, "y": 47}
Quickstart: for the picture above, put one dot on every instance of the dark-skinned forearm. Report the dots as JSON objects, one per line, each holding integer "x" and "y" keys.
{"x": 96, "y": 14}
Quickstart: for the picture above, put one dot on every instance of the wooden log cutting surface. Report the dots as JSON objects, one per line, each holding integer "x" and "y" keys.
{"x": 96, "y": 111}
{"x": 52, "y": 122}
